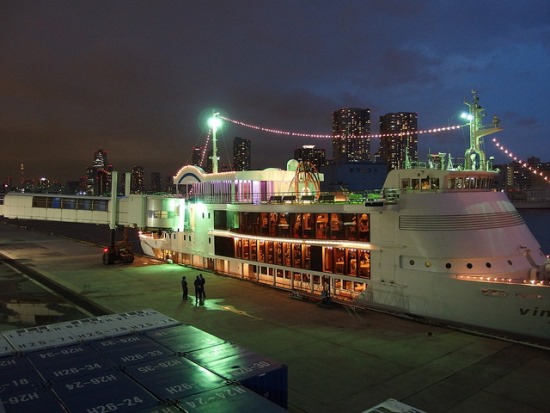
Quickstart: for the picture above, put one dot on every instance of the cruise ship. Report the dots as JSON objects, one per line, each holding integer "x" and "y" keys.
{"x": 436, "y": 243}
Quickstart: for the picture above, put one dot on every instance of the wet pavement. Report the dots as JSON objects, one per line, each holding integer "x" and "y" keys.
{"x": 339, "y": 360}
{"x": 26, "y": 303}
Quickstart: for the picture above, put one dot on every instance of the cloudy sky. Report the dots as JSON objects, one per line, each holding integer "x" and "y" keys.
{"x": 138, "y": 78}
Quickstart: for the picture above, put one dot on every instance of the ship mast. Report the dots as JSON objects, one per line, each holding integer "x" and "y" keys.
{"x": 214, "y": 122}
{"x": 475, "y": 158}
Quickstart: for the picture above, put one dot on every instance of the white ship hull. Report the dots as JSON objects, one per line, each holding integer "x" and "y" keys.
{"x": 465, "y": 258}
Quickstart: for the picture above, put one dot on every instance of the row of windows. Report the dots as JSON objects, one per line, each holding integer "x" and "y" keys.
{"x": 352, "y": 227}
{"x": 347, "y": 261}
{"x": 319, "y": 282}
{"x": 85, "y": 204}
{"x": 470, "y": 182}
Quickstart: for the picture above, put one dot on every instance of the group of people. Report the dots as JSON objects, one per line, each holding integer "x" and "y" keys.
{"x": 200, "y": 294}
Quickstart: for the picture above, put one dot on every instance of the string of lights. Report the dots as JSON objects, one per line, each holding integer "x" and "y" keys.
{"x": 203, "y": 154}
{"x": 523, "y": 164}
{"x": 324, "y": 136}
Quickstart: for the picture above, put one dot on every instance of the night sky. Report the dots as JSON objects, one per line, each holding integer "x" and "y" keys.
{"x": 138, "y": 78}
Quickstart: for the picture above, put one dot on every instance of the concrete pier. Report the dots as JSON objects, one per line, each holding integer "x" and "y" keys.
{"x": 339, "y": 360}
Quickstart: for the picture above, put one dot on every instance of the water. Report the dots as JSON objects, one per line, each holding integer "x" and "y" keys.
{"x": 538, "y": 221}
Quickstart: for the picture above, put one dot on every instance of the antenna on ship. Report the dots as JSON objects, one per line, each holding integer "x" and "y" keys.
{"x": 475, "y": 158}
{"x": 214, "y": 122}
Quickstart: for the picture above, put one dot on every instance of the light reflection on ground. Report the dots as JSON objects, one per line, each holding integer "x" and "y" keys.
{"x": 24, "y": 303}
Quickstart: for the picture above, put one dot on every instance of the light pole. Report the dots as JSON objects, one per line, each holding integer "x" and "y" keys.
{"x": 214, "y": 122}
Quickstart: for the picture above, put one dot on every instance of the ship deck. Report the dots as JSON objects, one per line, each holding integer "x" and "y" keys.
{"x": 338, "y": 359}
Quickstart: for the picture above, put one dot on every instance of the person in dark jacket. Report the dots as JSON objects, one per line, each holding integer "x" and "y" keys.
{"x": 198, "y": 291}
{"x": 184, "y": 289}
{"x": 203, "y": 281}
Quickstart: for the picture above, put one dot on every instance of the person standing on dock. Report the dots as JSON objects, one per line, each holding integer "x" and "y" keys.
{"x": 198, "y": 291}
{"x": 184, "y": 288}
{"x": 203, "y": 291}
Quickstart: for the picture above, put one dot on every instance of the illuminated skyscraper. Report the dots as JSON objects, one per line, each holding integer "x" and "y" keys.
{"x": 197, "y": 152}
{"x": 519, "y": 177}
{"x": 99, "y": 174}
{"x": 100, "y": 159}
{"x": 350, "y": 135}
{"x": 137, "y": 182}
{"x": 401, "y": 147}
{"x": 241, "y": 154}
{"x": 309, "y": 153}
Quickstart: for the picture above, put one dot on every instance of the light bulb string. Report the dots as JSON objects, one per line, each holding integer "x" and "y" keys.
{"x": 523, "y": 164}
{"x": 325, "y": 136}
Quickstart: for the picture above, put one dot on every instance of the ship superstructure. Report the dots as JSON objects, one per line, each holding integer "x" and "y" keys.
{"x": 436, "y": 242}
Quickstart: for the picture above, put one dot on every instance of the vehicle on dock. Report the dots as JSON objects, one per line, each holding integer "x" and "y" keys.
{"x": 121, "y": 251}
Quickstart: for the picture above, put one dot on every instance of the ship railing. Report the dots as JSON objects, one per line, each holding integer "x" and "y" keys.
{"x": 379, "y": 196}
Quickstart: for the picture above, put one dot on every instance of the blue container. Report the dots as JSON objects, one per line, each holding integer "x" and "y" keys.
{"x": 31, "y": 400}
{"x": 54, "y": 355}
{"x": 218, "y": 352}
{"x": 228, "y": 399}
{"x": 17, "y": 373}
{"x": 174, "y": 377}
{"x": 184, "y": 338}
{"x": 120, "y": 342}
{"x": 69, "y": 362}
{"x": 126, "y": 356}
{"x": 263, "y": 376}
{"x": 103, "y": 391}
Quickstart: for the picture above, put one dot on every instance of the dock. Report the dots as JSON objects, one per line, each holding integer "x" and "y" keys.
{"x": 340, "y": 360}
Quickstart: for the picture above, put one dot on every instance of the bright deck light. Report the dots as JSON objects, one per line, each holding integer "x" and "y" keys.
{"x": 467, "y": 116}
{"x": 214, "y": 122}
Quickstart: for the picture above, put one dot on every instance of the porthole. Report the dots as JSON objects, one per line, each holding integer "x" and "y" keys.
{"x": 411, "y": 262}
{"x": 469, "y": 265}
{"x": 488, "y": 264}
{"x": 448, "y": 265}
{"x": 509, "y": 262}
{"x": 428, "y": 264}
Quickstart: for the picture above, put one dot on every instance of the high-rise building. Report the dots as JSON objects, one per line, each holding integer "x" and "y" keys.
{"x": 519, "y": 177}
{"x": 351, "y": 135}
{"x": 311, "y": 154}
{"x": 137, "y": 180}
{"x": 156, "y": 182}
{"x": 241, "y": 154}
{"x": 100, "y": 159}
{"x": 197, "y": 155}
{"x": 169, "y": 186}
{"x": 99, "y": 175}
{"x": 400, "y": 147}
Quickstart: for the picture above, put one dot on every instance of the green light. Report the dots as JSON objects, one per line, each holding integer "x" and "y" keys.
{"x": 214, "y": 122}
{"x": 467, "y": 116}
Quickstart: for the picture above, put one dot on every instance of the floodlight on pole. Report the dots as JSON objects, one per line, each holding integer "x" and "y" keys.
{"x": 467, "y": 116}
{"x": 215, "y": 123}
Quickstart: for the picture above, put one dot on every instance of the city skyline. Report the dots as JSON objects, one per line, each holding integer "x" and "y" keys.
{"x": 141, "y": 78}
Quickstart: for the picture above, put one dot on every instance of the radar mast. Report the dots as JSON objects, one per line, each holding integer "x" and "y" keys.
{"x": 474, "y": 158}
